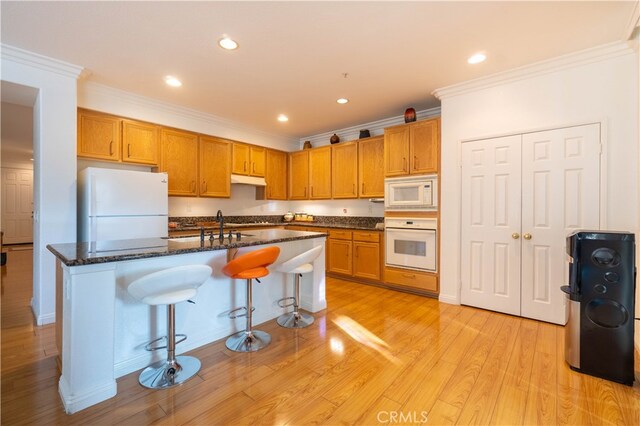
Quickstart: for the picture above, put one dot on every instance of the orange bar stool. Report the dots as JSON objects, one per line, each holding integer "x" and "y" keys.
{"x": 250, "y": 266}
{"x": 298, "y": 265}
{"x": 169, "y": 287}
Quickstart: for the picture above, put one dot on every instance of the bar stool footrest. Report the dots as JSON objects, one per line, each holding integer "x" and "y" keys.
{"x": 148, "y": 347}
{"x": 243, "y": 308}
{"x": 281, "y": 301}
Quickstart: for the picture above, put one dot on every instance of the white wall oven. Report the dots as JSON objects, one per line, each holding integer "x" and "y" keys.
{"x": 413, "y": 193}
{"x": 411, "y": 243}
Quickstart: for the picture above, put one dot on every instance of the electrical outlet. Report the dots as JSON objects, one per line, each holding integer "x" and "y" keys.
{"x": 344, "y": 211}
{"x": 370, "y": 209}
{"x": 188, "y": 208}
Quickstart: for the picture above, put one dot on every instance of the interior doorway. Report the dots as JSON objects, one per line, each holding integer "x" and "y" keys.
{"x": 17, "y": 172}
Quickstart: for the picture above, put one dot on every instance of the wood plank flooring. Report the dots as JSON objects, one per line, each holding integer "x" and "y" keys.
{"x": 375, "y": 356}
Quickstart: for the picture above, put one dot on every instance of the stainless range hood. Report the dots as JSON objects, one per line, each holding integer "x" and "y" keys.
{"x": 248, "y": 180}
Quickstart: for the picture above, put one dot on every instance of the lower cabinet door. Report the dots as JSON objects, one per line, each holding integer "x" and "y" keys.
{"x": 340, "y": 256}
{"x": 366, "y": 260}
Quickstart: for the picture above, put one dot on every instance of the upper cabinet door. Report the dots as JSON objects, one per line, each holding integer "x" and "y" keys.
{"x": 424, "y": 141}
{"x": 215, "y": 167}
{"x": 139, "y": 142}
{"x": 371, "y": 167}
{"x": 396, "y": 151}
{"x": 98, "y": 136}
{"x": 344, "y": 167}
{"x": 179, "y": 158}
{"x": 241, "y": 160}
{"x": 320, "y": 173}
{"x": 299, "y": 175}
{"x": 276, "y": 175}
{"x": 258, "y": 158}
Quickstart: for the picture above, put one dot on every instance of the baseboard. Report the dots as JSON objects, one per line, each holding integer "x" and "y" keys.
{"x": 45, "y": 319}
{"x": 76, "y": 402}
{"x": 446, "y": 298}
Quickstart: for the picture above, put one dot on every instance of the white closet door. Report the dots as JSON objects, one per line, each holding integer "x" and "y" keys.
{"x": 560, "y": 193}
{"x": 490, "y": 217}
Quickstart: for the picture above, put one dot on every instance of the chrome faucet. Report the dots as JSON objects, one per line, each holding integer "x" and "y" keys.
{"x": 220, "y": 219}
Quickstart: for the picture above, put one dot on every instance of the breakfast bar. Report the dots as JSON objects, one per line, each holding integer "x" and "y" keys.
{"x": 103, "y": 330}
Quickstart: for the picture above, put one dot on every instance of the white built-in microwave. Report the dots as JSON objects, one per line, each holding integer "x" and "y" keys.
{"x": 411, "y": 193}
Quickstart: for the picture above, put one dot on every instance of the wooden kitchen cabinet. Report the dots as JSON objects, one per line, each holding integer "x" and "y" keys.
{"x": 179, "y": 159}
{"x": 299, "y": 175}
{"x": 276, "y": 175}
{"x": 248, "y": 160}
{"x": 412, "y": 148}
{"x": 140, "y": 143}
{"x": 371, "y": 167}
{"x": 258, "y": 160}
{"x": 98, "y": 136}
{"x": 366, "y": 260}
{"x": 215, "y": 167}
{"x": 320, "y": 173}
{"x": 424, "y": 140}
{"x": 344, "y": 170}
{"x": 396, "y": 151}
{"x": 414, "y": 280}
{"x": 340, "y": 258}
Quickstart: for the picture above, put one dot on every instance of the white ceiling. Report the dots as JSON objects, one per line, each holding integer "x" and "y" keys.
{"x": 292, "y": 54}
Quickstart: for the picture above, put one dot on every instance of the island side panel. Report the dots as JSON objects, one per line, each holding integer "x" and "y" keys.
{"x": 88, "y": 312}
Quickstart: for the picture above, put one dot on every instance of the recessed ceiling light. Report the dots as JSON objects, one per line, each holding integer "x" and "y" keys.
{"x": 172, "y": 81}
{"x": 227, "y": 43}
{"x": 342, "y": 100}
{"x": 31, "y": 159}
{"x": 477, "y": 58}
{"x": 283, "y": 118}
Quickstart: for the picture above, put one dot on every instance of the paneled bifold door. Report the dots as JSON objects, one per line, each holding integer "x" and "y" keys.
{"x": 521, "y": 196}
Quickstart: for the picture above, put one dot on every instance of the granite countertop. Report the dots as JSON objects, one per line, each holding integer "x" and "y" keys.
{"x": 76, "y": 254}
{"x": 226, "y": 226}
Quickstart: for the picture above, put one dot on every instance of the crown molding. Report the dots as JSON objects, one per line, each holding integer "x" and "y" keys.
{"x": 634, "y": 22}
{"x": 376, "y": 128}
{"x": 572, "y": 60}
{"x": 162, "y": 106}
{"x": 42, "y": 62}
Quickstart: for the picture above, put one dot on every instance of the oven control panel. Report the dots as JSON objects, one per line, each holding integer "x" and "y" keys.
{"x": 411, "y": 223}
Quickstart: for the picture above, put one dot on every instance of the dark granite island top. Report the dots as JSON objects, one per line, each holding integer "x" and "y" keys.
{"x": 76, "y": 254}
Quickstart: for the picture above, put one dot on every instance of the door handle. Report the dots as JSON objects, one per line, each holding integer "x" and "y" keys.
{"x": 515, "y": 235}
{"x": 111, "y": 148}
{"x": 362, "y": 188}
{"x": 415, "y": 162}
{"x": 354, "y": 189}
{"x": 204, "y": 186}
{"x": 404, "y": 164}
{"x": 245, "y": 166}
{"x": 527, "y": 236}
{"x": 254, "y": 167}
{"x": 128, "y": 150}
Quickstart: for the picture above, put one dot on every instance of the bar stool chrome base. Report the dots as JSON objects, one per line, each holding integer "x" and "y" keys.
{"x": 295, "y": 320}
{"x": 165, "y": 374}
{"x": 250, "y": 341}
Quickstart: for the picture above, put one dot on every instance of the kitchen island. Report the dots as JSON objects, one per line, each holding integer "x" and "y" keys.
{"x": 102, "y": 330}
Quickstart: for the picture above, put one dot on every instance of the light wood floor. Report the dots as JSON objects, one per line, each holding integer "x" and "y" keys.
{"x": 453, "y": 364}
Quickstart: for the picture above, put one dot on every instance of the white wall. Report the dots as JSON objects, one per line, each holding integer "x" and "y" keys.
{"x": 54, "y": 144}
{"x": 606, "y": 90}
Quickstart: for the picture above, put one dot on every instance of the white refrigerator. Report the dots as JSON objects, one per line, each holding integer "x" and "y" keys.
{"x": 121, "y": 204}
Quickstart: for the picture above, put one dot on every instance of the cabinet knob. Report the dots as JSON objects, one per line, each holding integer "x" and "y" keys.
{"x": 515, "y": 235}
{"x": 527, "y": 236}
